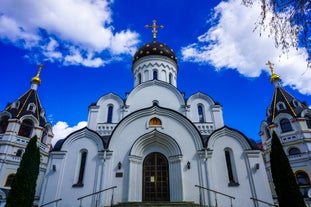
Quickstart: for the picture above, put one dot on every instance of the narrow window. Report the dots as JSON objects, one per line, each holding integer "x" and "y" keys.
{"x": 110, "y": 113}
{"x": 4, "y": 124}
{"x": 25, "y": 128}
{"x": 230, "y": 169}
{"x": 280, "y": 106}
{"x": 155, "y": 75}
{"x": 200, "y": 113}
{"x": 302, "y": 178}
{"x": 285, "y": 125}
{"x": 81, "y": 170}
{"x": 308, "y": 121}
{"x": 9, "y": 180}
{"x": 294, "y": 151}
{"x": 139, "y": 78}
{"x": 170, "y": 78}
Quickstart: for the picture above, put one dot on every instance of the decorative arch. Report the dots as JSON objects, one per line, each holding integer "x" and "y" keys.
{"x": 155, "y": 140}
{"x": 82, "y": 134}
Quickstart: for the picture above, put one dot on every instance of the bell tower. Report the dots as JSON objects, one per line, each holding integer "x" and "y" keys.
{"x": 21, "y": 120}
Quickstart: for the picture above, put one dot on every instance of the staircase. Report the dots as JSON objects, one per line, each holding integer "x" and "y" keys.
{"x": 151, "y": 204}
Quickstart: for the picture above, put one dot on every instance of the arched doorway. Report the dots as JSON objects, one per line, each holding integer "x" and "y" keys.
{"x": 156, "y": 178}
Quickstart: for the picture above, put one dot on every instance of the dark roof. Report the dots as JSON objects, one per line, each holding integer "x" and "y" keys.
{"x": 154, "y": 48}
{"x": 281, "y": 95}
{"x": 30, "y": 96}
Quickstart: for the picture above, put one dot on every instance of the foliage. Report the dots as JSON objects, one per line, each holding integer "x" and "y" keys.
{"x": 290, "y": 23}
{"x": 284, "y": 179}
{"x": 24, "y": 183}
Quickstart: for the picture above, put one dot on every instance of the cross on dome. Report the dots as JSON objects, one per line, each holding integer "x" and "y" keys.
{"x": 154, "y": 27}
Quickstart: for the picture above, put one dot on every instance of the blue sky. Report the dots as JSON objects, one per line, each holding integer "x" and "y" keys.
{"x": 87, "y": 48}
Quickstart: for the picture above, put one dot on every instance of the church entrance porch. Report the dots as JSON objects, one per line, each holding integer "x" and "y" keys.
{"x": 155, "y": 178}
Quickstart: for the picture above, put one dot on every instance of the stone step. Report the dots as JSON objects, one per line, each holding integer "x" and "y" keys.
{"x": 163, "y": 204}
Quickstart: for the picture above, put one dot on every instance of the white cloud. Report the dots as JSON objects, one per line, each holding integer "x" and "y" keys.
{"x": 232, "y": 43}
{"x": 61, "y": 130}
{"x": 55, "y": 26}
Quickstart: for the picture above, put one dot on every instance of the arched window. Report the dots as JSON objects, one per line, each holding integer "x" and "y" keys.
{"x": 26, "y": 128}
{"x": 286, "y": 125}
{"x": 302, "y": 178}
{"x": 139, "y": 78}
{"x": 4, "y": 124}
{"x": 9, "y": 180}
{"x": 19, "y": 153}
{"x": 232, "y": 175}
{"x": 155, "y": 122}
{"x": 83, "y": 156}
{"x": 280, "y": 106}
{"x": 110, "y": 113}
{"x": 201, "y": 113}
{"x": 308, "y": 121}
{"x": 294, "y": 151}
{"x": 170, "y": 78}
{"x": 31, "y": 107}
{"x": 155, "y": 75}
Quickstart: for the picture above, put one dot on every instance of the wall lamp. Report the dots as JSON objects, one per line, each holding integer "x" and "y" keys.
{"x": 188, "y": 165}
{"x": 119, "y": 166}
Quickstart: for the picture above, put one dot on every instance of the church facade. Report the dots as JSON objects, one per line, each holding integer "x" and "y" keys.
{"x": 156, "y": 145}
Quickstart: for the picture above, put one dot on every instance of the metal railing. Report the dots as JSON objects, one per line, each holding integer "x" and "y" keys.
{"x": 261, "y": 201}
{"x": 56, "y": 201}
{"x": 97, "y": 196}
{"x": 217, "y": 192}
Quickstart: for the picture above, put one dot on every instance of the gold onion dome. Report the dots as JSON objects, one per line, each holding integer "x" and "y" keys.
{"x": 274, "y": 77}
{"x": 154, "y": 47}
{"x": 37, "y": 79}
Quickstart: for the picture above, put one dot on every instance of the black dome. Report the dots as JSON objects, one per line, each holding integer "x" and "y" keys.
{"x": 154, "y": 48}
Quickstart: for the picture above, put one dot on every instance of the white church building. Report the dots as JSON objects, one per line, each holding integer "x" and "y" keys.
{"x": 154, "y": 145}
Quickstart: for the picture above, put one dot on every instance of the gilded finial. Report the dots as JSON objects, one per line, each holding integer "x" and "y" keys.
{"x": 154, "y": 27}
{"x": 274, "y": 77}
{"x": 37, "y": 79}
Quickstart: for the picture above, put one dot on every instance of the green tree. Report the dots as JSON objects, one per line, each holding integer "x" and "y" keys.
{"x": 23, "y": 187}
{"x": 284, "y": 179}
{"x": 289, "y": 23}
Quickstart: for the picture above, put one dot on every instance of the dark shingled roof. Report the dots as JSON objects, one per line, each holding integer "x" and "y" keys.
{"x": 281, "y": 95}
{"x": 30, "y": 96}
{"x": 154, "y": 48}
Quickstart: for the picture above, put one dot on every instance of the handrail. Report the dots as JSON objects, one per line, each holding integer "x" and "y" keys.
{"x": 270, "y": 204}
{"x": 51, "y": 202}
{"x": 217, "y": 192}
{"x": 96, "y": 192}
{"x": 80, "y": 198}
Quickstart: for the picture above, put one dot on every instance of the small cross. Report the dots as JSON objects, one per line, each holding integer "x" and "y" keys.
{"x": 154, "y": 27}
{"x": 270, "y": 65}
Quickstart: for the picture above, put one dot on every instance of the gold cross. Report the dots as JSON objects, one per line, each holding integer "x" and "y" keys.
{"x": 270, "y": 66}
{"x": 154, "y": 27}
{"x": 40, "y": 66}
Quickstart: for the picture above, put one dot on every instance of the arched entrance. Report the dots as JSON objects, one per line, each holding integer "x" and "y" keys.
{"x": 156, "y": 178}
